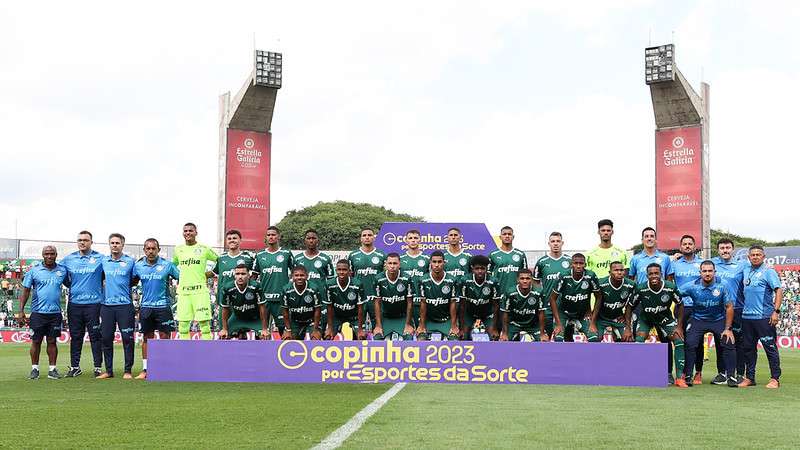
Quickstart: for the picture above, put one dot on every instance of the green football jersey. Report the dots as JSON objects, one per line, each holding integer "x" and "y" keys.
{"x": 504, "y": 267}
{"x": 547, "y": 271}
{"x": 522, "y": 310}
{"x": 243, "y": 303}
{"x": 274, "y": 272}
{"x": 599, "y": 259}
{"x": 414, "y": 268}
{"x": 301, "y": 304}
{"x": 615, "y": 298}
{"x": 394, "y": 295}
{"x": 192, "y": 262}
{"x": 576, "y": 294}
{"x": 345, "y": 300}
{"x": 656, "y": 304}
{"x": 225, "y": 267}
{"x": 366, "y": 267}
{"x": 320, "y": 269}
{"x": 456, "y": 265}
{"x": 438, "y": 297}
{"x": 478, "y": 296}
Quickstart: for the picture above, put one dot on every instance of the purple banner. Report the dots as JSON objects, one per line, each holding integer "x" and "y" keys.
{"x": 433, "y": 236}
{"x": 621, "y": 364}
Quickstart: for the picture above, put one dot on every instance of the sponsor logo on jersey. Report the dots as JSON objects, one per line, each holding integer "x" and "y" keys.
{"x": 615, "y": 305}
{"x": 279, "y": 258}
{"x": 317, "y": 264}
{"x": 565, "y": 264}
{"x": 375, "y": 260}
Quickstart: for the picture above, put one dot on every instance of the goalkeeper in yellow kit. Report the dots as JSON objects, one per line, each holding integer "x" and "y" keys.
{"x": 194, "y": 299}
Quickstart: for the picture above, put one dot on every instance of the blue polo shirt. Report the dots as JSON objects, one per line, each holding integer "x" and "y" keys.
{"x": 759, "y": 291}
{"x": 118, "y": 274}
{"x": 709, "y": 301}
{"x": 640, "y": 261}
{"x": 686, "y": 272}
{"x": 85, "y": 277}
{"x": 45, "y": 284}
{"x": 730, "y": 272}
{"x": 155, "y": 280}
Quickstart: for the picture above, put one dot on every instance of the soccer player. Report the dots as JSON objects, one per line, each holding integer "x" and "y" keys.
{"x": 480, "y": 299}
{"x": 45, "y": 281}
{"x": 507, "y": 261}
{"x": 575, "y": 289}
{"x": 366, "y": 263}
{"x": 227, "y": 262}
{"x": 244, "y": 308}
{"x": 762, "y": 305}
{"x": 609, "y": 312}
{"x": 300, "y": 307}
{"x": 546, "y": 272}
{"x": 456, "y": 260}
{"x": 117, "y": 309}
{"x": 438, "y": 309}
{"x": 155, "y": 312}
{"x": 730, "y": 272}
{"x": 522, "y": 310}
{"x": 712, "y": 312}
{"x": 394, "y": 302}
{"x": 85, "y": 271}
{"x": 345, "y": 303}
{"x": 656, "y": 296}
{"x": 599, "y": 259}
{"x": 414, "y": 266}
{"x": 320, "y": 269}
{"x": 274, "y": 266}
{"x": 194, "y": 299}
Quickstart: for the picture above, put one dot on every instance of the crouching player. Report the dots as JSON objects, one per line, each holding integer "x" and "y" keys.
{"x": 609, "y": 311}
{"x": 656, "y": 296}
{"x": 522, "y": 310}
{"x": 300, "y": 307}
{"x": 575, "y": 289}
{"x": 479, "y": 299}
{"x": 394, "y": 302}
{"x": 345, "y": 304}
{"x": 439, "y": 305}
{"x": 244, "y": 308}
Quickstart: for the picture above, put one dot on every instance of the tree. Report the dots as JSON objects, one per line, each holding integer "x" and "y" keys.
{"x": 338, "y": 223}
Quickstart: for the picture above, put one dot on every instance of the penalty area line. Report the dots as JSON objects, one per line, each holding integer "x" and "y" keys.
{"x": 337, "y": 438}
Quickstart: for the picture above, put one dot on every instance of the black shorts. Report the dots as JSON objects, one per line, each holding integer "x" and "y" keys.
{"x": 152, "y": 319}
{"x": 45, "y": 325}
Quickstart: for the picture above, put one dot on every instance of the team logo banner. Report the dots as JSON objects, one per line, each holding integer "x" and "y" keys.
{"x": 642, "y": 365}
{"x": 247, "y": 171}
{"x": 433, "y": 236}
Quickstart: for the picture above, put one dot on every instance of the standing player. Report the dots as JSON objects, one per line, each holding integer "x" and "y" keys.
{"x": 414, "y": 266}
{"x": 506, "y": 261}
{"x": 85, "y": 271}
{"x": 194, "y": 299}
{"x": 117, "y": 308}
{"x": 730, "y": 272}
{"x": 479, "y": 299}
{"x": 599, "y": 259}
{"x": 438, "y": 310}
{"x": 244, "y": 308}
{"x": 575, "y": 309}
{"x": 300, "y": 307}
{"x": 45, "y": 281}
{"x": 687, "y": 271}
{"x": 366, "y": 263}
{"x": 227, "y": 262}
{"x": 522, "y": 310}
{"x": 609, "y": 312}
{"x": 394, "y": 302}
{"x": 320, "y": 269}
{"x": 345, "y": 303}
{"x": 155, "y": 313}
{"x": 273, "y": 266}
{"x": 656, "y": 296}
{"x": 546, "y": 273}
{"x": 456, "y": 260}
{"x": 763, "y": 295}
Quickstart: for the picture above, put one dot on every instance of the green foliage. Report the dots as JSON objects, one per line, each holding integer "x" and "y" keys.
{"x": 338, "y": 223}
{"x": 738, "y": 241}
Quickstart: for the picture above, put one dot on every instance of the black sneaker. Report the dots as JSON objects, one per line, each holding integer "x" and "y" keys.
{"x": 732, "y": 382}
{"x": 74, "y": 372}
{"x": 739, "y": 378}
{"x": 97, "y": 371}
{"x": 34, "y": 374}
{"x": 670, "y": 379}
{"x": 720, "y": 379}
{"x": 53, "y": 375}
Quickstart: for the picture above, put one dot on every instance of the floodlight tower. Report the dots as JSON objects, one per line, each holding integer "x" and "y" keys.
{"x": 681, "y": 140}
{"x": 245, "y": 145}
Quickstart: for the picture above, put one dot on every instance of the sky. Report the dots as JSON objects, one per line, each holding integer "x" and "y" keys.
{"x": 532, "y": 114}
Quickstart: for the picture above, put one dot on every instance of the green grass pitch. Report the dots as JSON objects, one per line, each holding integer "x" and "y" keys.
{"x": 117, "y": 413}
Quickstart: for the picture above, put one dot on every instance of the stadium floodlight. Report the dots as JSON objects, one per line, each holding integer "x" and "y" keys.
{"x": 659, "y": 64}
{"x": 268, "y": 68}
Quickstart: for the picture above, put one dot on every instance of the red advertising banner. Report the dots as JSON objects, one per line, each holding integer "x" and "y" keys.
{"x": 247, "y": 185}
{"x": 679, "y": 186}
